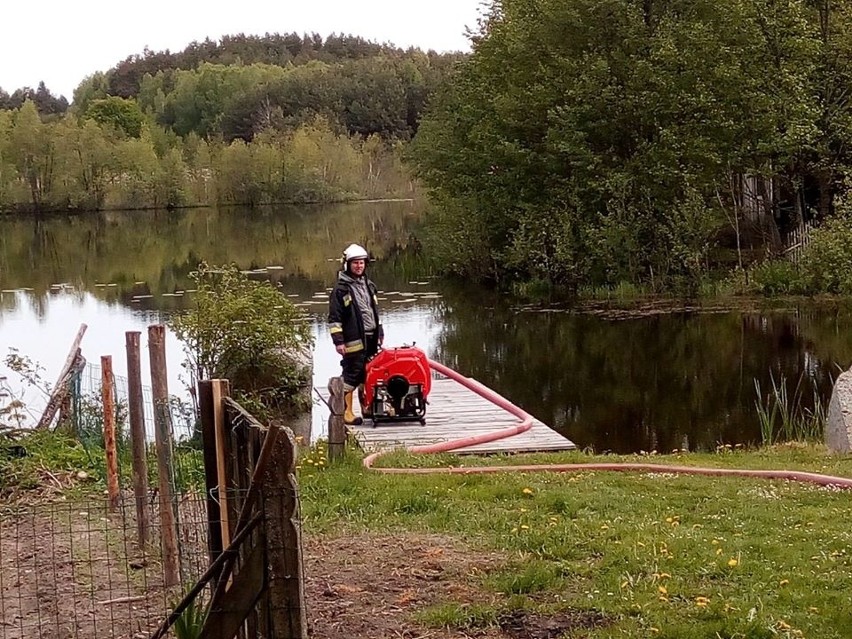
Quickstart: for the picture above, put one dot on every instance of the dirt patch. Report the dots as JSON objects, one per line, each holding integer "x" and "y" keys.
{"x": 67, "y": 571}
{"x": 373, "y": 586}
{"x": 523, "y": 625}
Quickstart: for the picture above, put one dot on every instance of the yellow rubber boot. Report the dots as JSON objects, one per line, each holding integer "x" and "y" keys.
{"x": 349, "y": 417}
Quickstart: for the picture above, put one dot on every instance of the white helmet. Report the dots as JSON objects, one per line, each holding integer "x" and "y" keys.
{"x": 354, "y": 252}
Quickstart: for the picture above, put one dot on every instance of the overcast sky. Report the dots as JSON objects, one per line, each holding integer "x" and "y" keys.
{"x": 61, "y": 42}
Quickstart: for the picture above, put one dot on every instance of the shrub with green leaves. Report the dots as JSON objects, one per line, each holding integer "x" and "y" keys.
{"x": 776, "y": 277}
{"x": 246, "y": 331}
{"x": 826, "y": 264}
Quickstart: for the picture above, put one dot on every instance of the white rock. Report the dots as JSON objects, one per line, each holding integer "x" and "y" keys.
{"x": 838, "y": 426}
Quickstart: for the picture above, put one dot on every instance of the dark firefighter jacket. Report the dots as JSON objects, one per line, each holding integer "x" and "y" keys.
{"x": 344, "y": 317}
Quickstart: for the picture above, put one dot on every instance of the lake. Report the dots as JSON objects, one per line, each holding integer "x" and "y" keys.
{"x": 657, "y": 377}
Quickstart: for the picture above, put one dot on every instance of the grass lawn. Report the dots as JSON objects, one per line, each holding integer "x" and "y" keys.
{"x": 652, "y": 555}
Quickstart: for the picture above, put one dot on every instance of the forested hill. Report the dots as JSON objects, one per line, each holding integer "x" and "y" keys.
{"x": 241, "y": 85}
{"x": 125, "y": 78}
{"x": 234, "y": 87}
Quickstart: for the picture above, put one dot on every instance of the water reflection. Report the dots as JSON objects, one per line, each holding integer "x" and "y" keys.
{"x": 659, "y": 382}
{"x": 664, "y": 382}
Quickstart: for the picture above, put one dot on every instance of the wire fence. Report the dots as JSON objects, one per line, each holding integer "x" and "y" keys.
{"x": 87, "y": 417}
{"x": 74, "y": 570}
{"x": 183, "y": 414}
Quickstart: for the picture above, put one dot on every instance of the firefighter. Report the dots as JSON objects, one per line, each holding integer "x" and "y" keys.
{"x": 353, "y": 321}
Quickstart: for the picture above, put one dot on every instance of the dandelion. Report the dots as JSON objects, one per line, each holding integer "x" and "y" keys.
{"x": 715, "y": 542}
{"x": 663, "y": 590}
{"x": 527, "y": 491}
{"x": 732, "y": 562}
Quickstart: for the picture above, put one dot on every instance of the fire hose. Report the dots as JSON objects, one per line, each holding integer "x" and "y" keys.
{"x": 526, "y": 423}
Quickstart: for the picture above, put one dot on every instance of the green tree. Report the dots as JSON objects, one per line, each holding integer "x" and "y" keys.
{"x": 31, "y": 150}
{"x": 7, "y": 168}
{"x": 139, "y": 169}
{"x": 93, "y": 87}
{"x": 123, "y": 115}
{"x": 87, "y": 156}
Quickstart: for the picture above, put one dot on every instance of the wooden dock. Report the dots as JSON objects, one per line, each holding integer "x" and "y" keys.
{"x": 453, "y": 412}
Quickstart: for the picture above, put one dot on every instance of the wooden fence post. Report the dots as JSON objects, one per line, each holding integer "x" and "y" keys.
{"x": 163, "y": 438}
{"x": 221, "y": 390}
{"x": 136, "y": 414}
{"x": 336, "y": 427}
{"x": 283, "y": 542}
{"x": 108, "y": 400}
{"x": 210, "y": 394}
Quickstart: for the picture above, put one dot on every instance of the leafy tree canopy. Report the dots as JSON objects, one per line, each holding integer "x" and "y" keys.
{"x": 120, "y": 114}
{"x": 595, "y": 142}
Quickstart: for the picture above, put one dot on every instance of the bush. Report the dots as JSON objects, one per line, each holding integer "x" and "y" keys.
{"x": 826, "y": 263}
{"x": 776, "y": 277}
{"x": 246, "y": 331}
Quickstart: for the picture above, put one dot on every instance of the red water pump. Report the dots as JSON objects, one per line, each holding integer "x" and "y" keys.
{"x": 397, "y": 385}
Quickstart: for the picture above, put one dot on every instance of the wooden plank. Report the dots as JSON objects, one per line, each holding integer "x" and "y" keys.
{"x": 224, "y": 621}
{"x": 208, "y": 575}
{"x": 61, "y": 387}
{"x": 455, "y": 411}
{"x": 221, "y": 390}
{"x": 282, "y": 529}
{"x": 206, "y": 405}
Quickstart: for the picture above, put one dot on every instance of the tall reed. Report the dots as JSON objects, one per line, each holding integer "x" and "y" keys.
{"x": 785, "y": 417}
